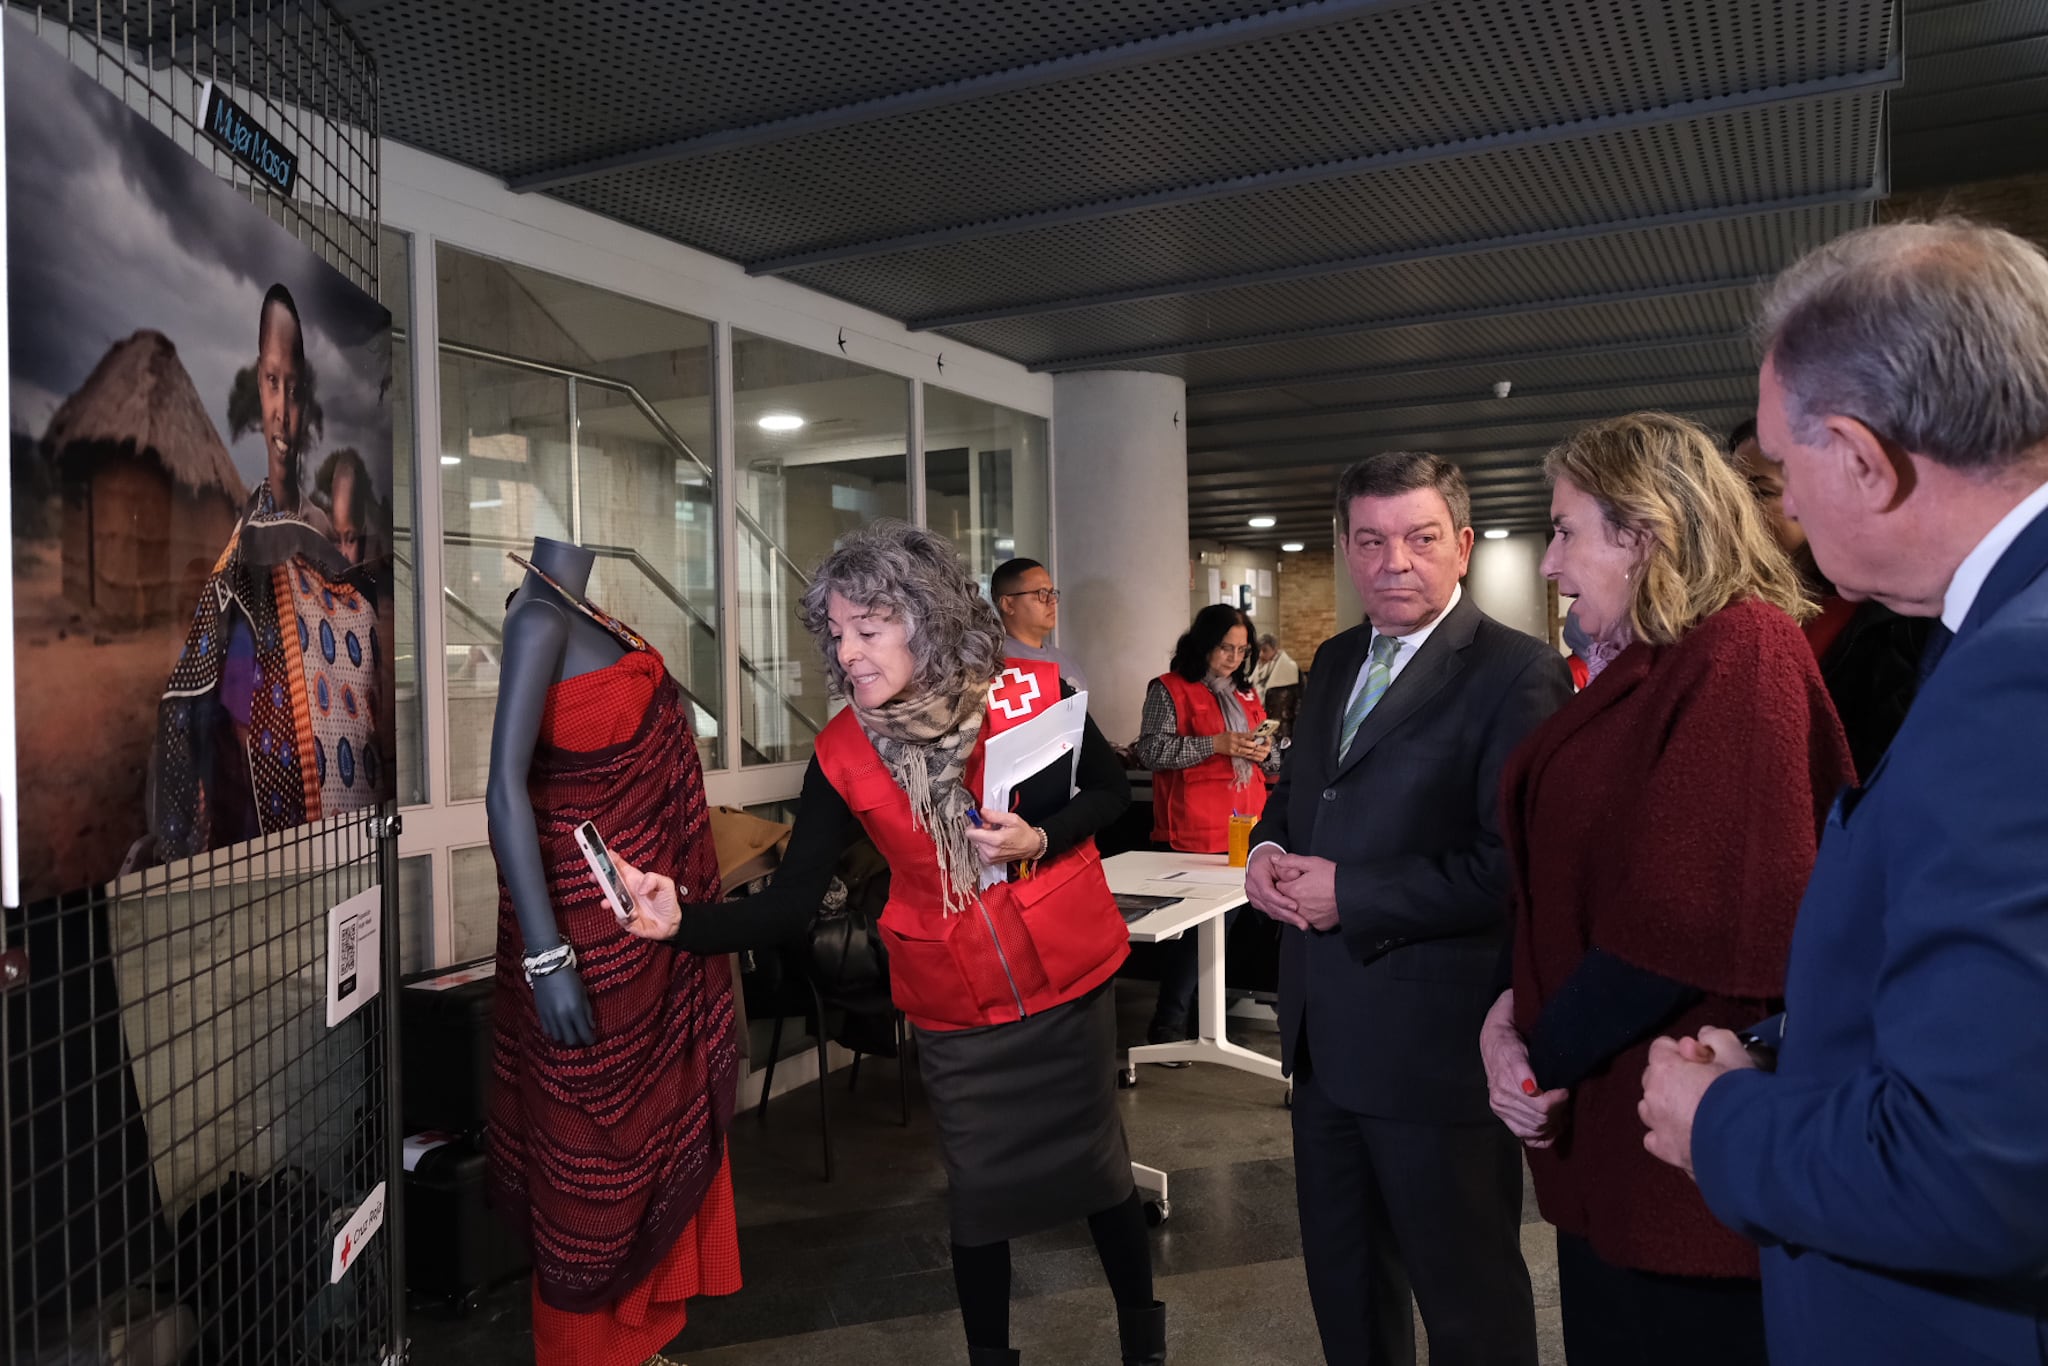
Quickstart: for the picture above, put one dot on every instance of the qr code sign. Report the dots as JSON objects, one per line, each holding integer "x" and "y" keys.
{"x": 353, "y": 938}
{"x": 346, "y": 934}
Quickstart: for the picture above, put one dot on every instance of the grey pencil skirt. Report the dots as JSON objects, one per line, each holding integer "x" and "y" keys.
{"x": 1027, "y": 1119}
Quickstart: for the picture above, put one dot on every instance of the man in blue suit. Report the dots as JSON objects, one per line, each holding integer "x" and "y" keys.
{"x": 1895, "y": 1166}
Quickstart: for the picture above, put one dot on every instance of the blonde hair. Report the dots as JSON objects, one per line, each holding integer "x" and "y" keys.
{"x": 1663, "y": 478}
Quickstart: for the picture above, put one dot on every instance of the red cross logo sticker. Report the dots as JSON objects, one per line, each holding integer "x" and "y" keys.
{"x": 1014, "y": 693}
{"x": 347, "y": 1246}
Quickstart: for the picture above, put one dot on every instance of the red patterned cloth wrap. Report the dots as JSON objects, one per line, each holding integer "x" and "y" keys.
{"x": 603, "y": 1155}
{"x": 704, "y": 1261}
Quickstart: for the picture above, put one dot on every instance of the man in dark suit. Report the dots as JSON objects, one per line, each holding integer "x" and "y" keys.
{"x": 1895, "y": 1165}
{"x": 1380, "y": 854}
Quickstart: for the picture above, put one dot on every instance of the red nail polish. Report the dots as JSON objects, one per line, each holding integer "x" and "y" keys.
{"x": 1528, "y": 1086}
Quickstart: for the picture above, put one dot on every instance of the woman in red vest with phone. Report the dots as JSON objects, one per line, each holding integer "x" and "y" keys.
{"x": 1006, "y": 986}
{"x": 1199, "y": 736}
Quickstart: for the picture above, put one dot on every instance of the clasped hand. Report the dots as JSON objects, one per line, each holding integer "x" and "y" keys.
{"x": 1004, "y": 837}
{"x": 1535, "y": 1117}
{"x": 1674, "y": 1083}
{"x": 1242, "y": 744}
{"x": 1293, "y": 889}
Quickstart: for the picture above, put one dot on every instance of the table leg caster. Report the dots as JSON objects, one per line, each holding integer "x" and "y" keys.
{"x": 1158, "y": 1211}
{"x": 1128, "y": 1077}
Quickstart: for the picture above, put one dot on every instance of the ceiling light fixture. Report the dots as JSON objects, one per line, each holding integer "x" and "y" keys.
{"x": 1498, "y": 533}
{"x": 1261, "y": 523}
{"x": 780, "y": 422}
{"x": 1291, "y": 547}
{"x": 451, "y": 460}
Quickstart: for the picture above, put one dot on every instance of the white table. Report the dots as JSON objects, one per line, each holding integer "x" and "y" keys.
{"x": 1208, "y": 886}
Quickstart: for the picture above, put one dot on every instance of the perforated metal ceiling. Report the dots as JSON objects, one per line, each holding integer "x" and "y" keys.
{"x": 1341, "y": 221}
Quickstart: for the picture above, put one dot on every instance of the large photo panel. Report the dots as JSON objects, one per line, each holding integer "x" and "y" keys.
{"x": 201, "y": 469}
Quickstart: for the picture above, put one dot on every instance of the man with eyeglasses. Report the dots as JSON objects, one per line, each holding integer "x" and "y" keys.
{"x": 1030, "y": 608}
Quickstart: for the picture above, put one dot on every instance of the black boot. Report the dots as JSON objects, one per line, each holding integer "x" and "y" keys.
{"x": 991, "y": 1356}
{"x": 1142, "y": 1334}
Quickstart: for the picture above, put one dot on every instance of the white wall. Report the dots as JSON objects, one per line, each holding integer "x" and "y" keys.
{"x": 1231, "y": 561}
{"x": 1507, "y": 582}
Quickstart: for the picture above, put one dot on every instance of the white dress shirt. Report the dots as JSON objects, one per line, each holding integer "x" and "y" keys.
{"x": 1977, "y": 565}
{"x": 1411, "y": 644}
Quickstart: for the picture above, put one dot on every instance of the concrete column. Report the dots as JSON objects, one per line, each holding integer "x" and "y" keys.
{"x": 1120, "y": 533}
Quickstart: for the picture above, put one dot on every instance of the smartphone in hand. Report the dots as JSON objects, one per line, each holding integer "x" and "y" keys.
{"x": 605, "y": 871}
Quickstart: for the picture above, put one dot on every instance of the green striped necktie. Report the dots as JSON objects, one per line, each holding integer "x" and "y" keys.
{"x": 1378, "y": 675}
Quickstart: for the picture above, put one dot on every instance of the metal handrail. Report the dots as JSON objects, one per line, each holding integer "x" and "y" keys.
{"x": 661, "y": 585}
{"x": 648, "y": 411}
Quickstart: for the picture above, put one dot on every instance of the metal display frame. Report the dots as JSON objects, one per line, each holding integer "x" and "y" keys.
{"x": 186, "y": 1140}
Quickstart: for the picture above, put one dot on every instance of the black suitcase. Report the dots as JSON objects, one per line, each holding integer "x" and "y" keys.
{"x": 445, "y": 1047}
{"x": 456, "y": 1247}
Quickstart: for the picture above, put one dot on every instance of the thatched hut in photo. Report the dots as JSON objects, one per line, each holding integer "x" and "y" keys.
{"x": 150, "y": 495}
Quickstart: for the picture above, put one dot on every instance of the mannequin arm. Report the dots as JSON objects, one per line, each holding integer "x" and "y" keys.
{"x": 536, "y": 633}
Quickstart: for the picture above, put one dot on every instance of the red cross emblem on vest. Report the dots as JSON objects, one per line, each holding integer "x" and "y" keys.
{"x": 1014, "y": 693}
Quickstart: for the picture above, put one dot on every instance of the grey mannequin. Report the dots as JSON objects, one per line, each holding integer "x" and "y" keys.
{"x": 546, "y": 642}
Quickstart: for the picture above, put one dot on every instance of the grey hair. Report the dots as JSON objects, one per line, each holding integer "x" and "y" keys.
{"x": 1269, "y": 639}
{"x": 1392, "y": 473}
{"x": 956, "y": 639}
{"x": 1933, "y": 335}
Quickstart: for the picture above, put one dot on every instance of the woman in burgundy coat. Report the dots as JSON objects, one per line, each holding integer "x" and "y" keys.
{"x": 1662, "y": 825}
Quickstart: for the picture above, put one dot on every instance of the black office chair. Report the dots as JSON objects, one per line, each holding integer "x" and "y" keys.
{"x": 839, "y": 967}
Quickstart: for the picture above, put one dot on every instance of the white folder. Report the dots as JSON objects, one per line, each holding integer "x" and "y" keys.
{"x": 1022, "y": 751}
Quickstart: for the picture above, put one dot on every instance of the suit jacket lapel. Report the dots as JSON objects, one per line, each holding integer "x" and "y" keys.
{"x": 1343, "y": 677}
{"x": 1441, "y": 658}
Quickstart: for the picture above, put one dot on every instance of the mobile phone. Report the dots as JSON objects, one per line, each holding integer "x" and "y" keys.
{"x": 1268, "y": 728}
{"x": 604, "y": 870}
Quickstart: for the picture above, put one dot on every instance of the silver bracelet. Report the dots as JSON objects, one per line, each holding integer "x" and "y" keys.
{"x": 562, "y": 955}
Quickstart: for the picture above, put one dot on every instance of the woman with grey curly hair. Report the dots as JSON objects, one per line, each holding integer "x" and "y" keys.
{"x": 1002, "y": 933}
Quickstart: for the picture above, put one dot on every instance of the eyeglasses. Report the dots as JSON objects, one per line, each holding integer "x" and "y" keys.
{"x": 1233, "y": 651}
{"x": 1046, "y": 596}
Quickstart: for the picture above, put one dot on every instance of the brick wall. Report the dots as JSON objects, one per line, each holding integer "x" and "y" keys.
{"x": 1308, "y": 602}
{"x": 2017, "y": 203}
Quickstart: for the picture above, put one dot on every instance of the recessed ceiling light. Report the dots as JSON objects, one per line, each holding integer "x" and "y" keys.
{"x": 1498, "y": 533}
{"x": 1291, "y": 546}
{"x": 1260, "y": 523}
{"x": 451, "y": 460}
{"x": 780, "y": 422}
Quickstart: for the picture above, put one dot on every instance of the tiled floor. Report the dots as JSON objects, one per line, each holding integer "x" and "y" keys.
{"x": 855, "y": 1273}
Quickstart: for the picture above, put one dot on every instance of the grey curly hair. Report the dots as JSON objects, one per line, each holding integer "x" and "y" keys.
{"x": 956, "y": 639}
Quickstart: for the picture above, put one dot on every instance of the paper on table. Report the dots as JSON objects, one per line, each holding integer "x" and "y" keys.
{"x": 1213, "y": 877}
{"x": 1021, "y": 751}
{"x": 1179, "y": 890}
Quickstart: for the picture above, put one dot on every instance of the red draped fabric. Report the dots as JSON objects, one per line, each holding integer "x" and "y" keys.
{"x": 605, "y": 1155}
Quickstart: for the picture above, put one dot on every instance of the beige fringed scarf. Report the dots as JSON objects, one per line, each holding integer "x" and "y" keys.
{"x": 926, "y": 742}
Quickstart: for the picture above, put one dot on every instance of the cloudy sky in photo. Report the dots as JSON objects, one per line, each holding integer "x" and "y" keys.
{"x": 112, "y": 228}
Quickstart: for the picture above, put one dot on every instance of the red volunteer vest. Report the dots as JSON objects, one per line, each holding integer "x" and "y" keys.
{"x": 1022, "y": 947}
{"x": 1191, "y": 807}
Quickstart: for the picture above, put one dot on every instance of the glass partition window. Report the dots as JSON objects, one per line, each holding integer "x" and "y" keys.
{"x": 394, "y": 287}
{"x": 584, "y": 416}
{"x": 821, "y": 446}
{"x": 985, "y": 479}
{"x": 474, "y": 874}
